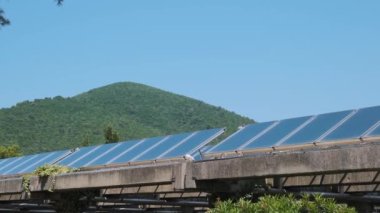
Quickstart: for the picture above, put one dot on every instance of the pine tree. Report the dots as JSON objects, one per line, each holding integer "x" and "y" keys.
{"x": 110, "y": 135}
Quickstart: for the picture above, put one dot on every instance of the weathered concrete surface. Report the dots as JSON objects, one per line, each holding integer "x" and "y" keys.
{"x": 354, "y": 158}
{"x": 12, "y": 196}
{"x": 362, "y": 188}
{"x": 146, "y": 189}
{"x": 12, "y": 185}
{"x": 347, "y": 178}
{"x": 129, "y": 176}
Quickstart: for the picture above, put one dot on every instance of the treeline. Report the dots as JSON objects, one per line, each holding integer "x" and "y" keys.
{"x": 10, "y": 151}
{"x": 133, "y": 110}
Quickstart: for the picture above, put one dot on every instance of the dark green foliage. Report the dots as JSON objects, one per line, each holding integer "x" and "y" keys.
{"x": 110, "y": 135}
{"x": 10, "y": 151}
{"x": 285, "y": 204}
{"x": 134, "y": 110}
{"x": 3, "y": 20}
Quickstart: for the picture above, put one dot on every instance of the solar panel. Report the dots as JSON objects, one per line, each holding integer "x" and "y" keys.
{"x": 197, "y": 154}
{"x": 113, "y": 153}
{"x": 356, "y": 126}
{"x": 139, "y": 148}
{"x": 375, "y": 131}
{"x": 344, "y": 125}
{"x": 10, "y": 163}
{"x": 29, "y": 163}
{"x": 192, "y": 144}
{"x": 241, "y": 137}
{"x": 320, "y": 125}
{"x": 78, "y": 154}
{"x": 4, "y": 161}
{"x": 87, "y": 155}
{"x": 281, "y": 131}
{"x": 170, "y": 146}
{"x": 41, "y": 159}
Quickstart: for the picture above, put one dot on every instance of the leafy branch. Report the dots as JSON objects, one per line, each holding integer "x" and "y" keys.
{"x": 5, "y": 21}
{"x": 47, "y": 171}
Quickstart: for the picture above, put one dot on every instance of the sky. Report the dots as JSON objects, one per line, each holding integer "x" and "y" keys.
{"x": 267, "y": 60}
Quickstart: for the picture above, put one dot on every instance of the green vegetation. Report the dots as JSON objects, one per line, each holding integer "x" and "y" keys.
{"x": 110, "y": 135}
{"x": 133, "y": 110}
{"x": 10, "y": 151}
{"x": 46, "y": 173}
{"x": 284, "y": 204}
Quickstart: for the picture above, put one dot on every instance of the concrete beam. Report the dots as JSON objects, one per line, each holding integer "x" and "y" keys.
{"x": 335, "y": 160}
{"x": 11, "y": 185}
{"x": 348, "y": 178}
{"x": 146, "y": 189}
{"x": 12, "y": 196}
{"x": 129, "y": 176}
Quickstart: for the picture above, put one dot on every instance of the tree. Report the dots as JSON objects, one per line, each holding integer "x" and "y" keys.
{"x": 10, "y": 151}
{"x": 282, "y": 203}
{"x": 110, "y": 135}
{"x": 5, "y": 21}
{"x": 86, "y": 141}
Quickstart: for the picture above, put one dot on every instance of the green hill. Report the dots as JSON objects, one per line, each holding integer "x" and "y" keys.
{"x": 133, "y": 110}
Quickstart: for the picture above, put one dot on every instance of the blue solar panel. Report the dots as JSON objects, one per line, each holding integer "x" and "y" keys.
{"x": 4, "y": 161}
{"x": 192, "y": 144}
{"x": 140, "y": 150}
{"x": 91, "y": 155}
{"x": 10, "y": 163}
{"x": 29, "y": 163}
{"x": 45, "y": 158}
{"x": 24, "y": 162}
{"x": 320, "y": 125}
{"x": 109, "y": 155}
{"x": 277, "y": 133}
{"x": 197, "y": 154}
{"x": 141, "y": 147}
{"x": 77, "y": 155}
{"x": 376, "y": 131}
{"x": 157, "y": 149}
{"x": 356, "y": 126}
{"x": 241, "y": 137}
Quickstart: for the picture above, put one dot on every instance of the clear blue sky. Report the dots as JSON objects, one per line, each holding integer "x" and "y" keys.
{"x": 267, "y": 60}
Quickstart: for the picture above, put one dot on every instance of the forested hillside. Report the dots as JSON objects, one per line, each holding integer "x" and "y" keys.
{"x": 133, "y": 110}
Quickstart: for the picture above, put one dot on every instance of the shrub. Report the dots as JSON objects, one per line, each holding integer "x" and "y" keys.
{"x": 283, "y": 204}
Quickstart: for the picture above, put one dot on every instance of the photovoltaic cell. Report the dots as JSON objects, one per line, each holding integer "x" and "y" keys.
{"x": 29, "y": 163}
{"x": 140, "y": 148}
{"x": 12, "y": 162}
{"x": 44, "y": 158}
{"x": 375, "y": 132}
{"x": 158, "y": 148}
{"x": 344, "y": 125}
{"x": 27, "y": 159}
{"x": 91, "y": 154}
{"x": 198, "y": 140}
{"x": 321, "y": 124}
{"x": 272, "y": 137}
{"x": 241, "y": 137}
{"x": 77, "y": 155}
{"x": 197, "y": 156}
{"x": 124, "y": 148}
{"x": 4, "y": 161}
{"x": 357, "y": 125}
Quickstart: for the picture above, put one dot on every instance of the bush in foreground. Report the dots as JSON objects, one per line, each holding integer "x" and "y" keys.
{"x": 285, "y": 204}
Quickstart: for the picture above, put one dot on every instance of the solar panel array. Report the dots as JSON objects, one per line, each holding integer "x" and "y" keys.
{"x": 324, "y": 128}
{"x": 165, "y": 147}
{"x": 29, "y": 163}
